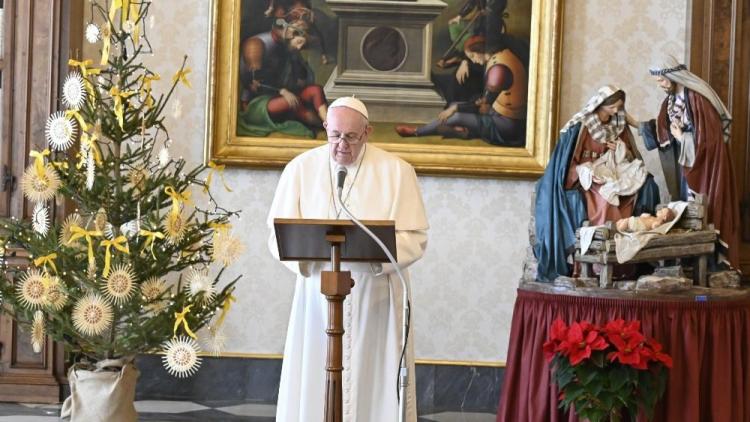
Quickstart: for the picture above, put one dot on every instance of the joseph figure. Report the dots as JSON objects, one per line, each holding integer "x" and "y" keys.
{"x": 692, "y": 134}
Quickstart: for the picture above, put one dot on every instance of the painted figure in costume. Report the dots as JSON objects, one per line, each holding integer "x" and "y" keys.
{"x": 291, "y": 10}
{"x": 564, "y": 200}
{"x": 379, "y": 186}
{"x": 466, "y": 83}
{"x": 692, "y": 133}
{"x": 499, "y": 115}
{"x": 278, "y": 93}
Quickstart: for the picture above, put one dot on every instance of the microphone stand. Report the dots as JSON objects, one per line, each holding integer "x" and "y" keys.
{"x": 403, "y": 373}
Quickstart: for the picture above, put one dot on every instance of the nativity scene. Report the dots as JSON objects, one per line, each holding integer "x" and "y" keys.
{"x": 374, "y": 211}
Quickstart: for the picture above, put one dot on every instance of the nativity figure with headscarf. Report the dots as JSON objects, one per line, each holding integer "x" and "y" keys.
{"x": 564, "y": 201}
{"x": 692, "y": 134}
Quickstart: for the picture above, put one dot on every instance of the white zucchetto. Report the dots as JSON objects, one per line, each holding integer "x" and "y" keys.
{"x": 352, "y": 103}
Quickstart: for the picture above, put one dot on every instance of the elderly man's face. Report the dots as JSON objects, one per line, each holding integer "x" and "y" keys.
{"x": 346, "y": 123}
{"x": 665, "y": 84}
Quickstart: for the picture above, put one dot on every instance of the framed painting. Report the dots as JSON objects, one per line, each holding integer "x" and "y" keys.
{"x": 455, "y": 87}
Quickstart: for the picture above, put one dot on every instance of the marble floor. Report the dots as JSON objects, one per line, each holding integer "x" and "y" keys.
{"x": 153, "y": 410}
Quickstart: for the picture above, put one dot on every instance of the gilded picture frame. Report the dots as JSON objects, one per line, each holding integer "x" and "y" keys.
{"x": 223, "y": 145}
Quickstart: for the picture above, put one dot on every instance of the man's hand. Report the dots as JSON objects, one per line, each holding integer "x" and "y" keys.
{"x": 612, "y": 145}
{"x": 448, "y": 112}
{"x": 676, "y": 130}
{"x": 446, "y": 63}
{"x": 290, "y": 98}
{"x": 463, "y": 72}
{"x": 254, "y": 86}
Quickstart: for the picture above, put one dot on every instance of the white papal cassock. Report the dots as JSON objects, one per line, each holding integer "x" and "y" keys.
{"x": 379, "y": 186}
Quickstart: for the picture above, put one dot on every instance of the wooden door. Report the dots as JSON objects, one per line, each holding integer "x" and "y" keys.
{"x": 719, "y": 37}
{"x": 38, "y": 37}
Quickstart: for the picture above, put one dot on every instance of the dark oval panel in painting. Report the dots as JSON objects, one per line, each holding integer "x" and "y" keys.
{"x": 384, "y": 48}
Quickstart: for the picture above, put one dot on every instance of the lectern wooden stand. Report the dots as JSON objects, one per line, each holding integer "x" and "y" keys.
{"x": 337, "y": 241}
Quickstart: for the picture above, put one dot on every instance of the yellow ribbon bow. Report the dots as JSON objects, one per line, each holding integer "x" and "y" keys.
{"x": 177, "y": 198}
{"x": 47, "y": 259}
{"x": 150, "y": 238}
{"x": 39, "y": 161}
{"x": 134, "y": 16}
{"x": 107, "y": 32}
{"x": 106, "y": 41}
{"x": 225, "y": 309}
{"x": 60, "y": 164}
{"x": 78, "y": 232}
{"x": 179, "y": 318}
{"x": 84, "y": 67}
{"x": 218, "y": 168}
{"x": 75, "y": 114}
{"x": 181, "y": 76}
{"x": 118, "y": 244}
{"x": 118, "y": 96}
{"x": 116, "y": 4}
{"x": 220, "y": 227}
{"x": 148, "y": 99}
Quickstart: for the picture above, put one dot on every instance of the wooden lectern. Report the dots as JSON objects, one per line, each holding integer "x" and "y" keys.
{"x": 337, "y": 241}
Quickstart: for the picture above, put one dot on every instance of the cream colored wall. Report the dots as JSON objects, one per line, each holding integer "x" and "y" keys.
{"x": 464, "y": 287}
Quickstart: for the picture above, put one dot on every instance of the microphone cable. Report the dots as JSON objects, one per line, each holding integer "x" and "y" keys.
{"x": 402, "y": 376}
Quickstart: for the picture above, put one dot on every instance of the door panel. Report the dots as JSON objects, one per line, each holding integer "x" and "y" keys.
{"x": 719, "y": 32}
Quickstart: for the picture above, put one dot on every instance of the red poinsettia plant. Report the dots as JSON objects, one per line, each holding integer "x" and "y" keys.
{"x": 601, "y": 370}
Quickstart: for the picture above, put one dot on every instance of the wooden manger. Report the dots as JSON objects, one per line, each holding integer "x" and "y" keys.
{"x": 691, "y": 236}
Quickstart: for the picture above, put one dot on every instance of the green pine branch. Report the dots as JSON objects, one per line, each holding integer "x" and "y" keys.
{"x": 139, "y": 325}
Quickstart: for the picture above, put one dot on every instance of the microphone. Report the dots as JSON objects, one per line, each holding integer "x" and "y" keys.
{"x": 340, "y": 177}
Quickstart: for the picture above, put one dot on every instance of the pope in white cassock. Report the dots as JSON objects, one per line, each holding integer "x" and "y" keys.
{"x": 379, "y": 186}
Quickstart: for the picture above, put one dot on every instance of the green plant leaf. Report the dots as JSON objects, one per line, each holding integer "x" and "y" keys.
{"x": 618, "y": 377}
{"x": 573, "y": 392}
{"x": 593, "y": 414}
{"x": 564, "y": 378}
{"x": 587, "y": 375}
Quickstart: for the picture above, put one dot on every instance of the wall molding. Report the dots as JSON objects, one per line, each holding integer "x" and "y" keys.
{"x": 488, "y": 364}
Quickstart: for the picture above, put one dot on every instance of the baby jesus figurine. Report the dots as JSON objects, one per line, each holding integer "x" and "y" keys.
{"x": 645, "y": 221}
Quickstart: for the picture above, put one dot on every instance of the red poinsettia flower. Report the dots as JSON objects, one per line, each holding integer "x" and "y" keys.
{"x": 558, "y": 335}
{"x": 627, "y": 348}
{"x": 630, "y": 352}
{"x": 656, "y": 353}
{"x": 624, "y": 330}
{"x": 586, "y": 326}
{"x": 559, "y": 330}
{"x": 581, "y": 342}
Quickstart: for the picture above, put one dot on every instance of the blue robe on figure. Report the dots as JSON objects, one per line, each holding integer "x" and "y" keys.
{"x": 559, "y": 212}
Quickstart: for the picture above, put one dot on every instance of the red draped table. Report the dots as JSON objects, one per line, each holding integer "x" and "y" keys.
{"x": 708, "y": 337}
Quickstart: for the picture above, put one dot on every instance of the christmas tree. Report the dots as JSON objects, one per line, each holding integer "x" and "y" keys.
{"x": 136, "y": 267}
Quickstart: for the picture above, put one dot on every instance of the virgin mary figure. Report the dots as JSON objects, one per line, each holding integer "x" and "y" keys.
{"x": 576, "y": 187}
